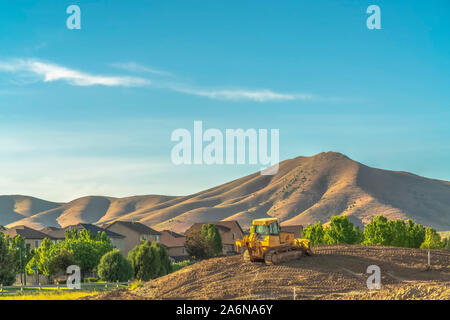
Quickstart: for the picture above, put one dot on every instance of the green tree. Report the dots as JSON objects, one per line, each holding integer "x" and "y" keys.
{"x": 22, "y": 253}
{"x": 341, "y": 230}
{"x": 204, "y": 242}
{"x": 212, "y": 240}
{"x": 165, "y": 263}
{"x": 446, "y": 243}
{"x": 381, "y": 231}
{"x": 195, "y": 244}
{"x": 415, "y": 234}
{"x": 149, "y": 261}
{"x": 114, "y": 267}
{"x": 43, "y": 259}
{"x": 315, "y": 233}
{"x": 398, "y": 233}
{"x": 62, "y": 259}
{"x": 8, "y": 266}
{"x": 87, "y": 249}
{"x": 377, "y": 232}
{"x": 432, "y": 240}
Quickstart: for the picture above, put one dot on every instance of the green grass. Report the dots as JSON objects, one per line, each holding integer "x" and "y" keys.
{"x": 56, "y": 295}
{"x": 136, "y": 284}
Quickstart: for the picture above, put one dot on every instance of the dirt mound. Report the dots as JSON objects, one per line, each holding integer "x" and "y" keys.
{"x": 422, "y": 290}
{"x": 119, "y": 294}
{"x": 337, "y": 272}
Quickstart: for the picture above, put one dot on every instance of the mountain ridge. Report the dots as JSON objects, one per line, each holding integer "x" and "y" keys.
{"x": 305, "y": 190}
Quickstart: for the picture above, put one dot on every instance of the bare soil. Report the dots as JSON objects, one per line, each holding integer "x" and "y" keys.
{"x": 334, "y": 272}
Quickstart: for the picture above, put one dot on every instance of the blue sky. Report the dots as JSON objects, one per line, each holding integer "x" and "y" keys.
{"x": 91, "y": 111}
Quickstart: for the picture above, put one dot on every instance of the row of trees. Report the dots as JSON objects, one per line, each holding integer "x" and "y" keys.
{"x": 88, "y": 251}
{"x": 92, "y": 252}
{"x": 147, "y": 261}
{"x": 150, "y": 260}
{"x": 84, "y": 249}
{"x": 380, "y": 231}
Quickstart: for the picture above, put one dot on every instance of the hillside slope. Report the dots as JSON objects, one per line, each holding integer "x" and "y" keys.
{"x": 16, "y": 207}
{"x": 305, "y": 190}
{"x": 335, "y": 272}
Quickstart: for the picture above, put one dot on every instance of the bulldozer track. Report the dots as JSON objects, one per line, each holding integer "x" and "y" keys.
{"x": 275, "y": 257}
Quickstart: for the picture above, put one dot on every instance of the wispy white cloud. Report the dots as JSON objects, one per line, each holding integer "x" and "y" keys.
{"x": 239, "y": 94}
{"x": 49, "y": 72}
{"x": 135, "y": 67}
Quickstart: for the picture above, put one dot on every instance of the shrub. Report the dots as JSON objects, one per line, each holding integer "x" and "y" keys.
{"x": 114, "y": 267}
{"x": 179, "y": 265}
{"x": 136, "y": 284}
{"x": 149, "y": 260}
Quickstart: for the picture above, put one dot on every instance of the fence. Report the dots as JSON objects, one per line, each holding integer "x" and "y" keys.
{"x": 350, "y": 249}
{"x": 90, "y": 286}
{"x": 439, "y": 256}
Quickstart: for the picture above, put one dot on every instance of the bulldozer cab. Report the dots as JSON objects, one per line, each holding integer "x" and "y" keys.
{"x": 265, "y": 227}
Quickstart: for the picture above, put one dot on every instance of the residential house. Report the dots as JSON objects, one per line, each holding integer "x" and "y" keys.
{"x": 295, "y": 229}
{"x": 134, "y": 233}
{"x": 57, "y": 234}
{"x": 2, "y": 228}
{"x": 33, "y": 238}
{"x": 117, "y": 239}
{"x": 174, "y": 243}
{"x": 229, "y": 231}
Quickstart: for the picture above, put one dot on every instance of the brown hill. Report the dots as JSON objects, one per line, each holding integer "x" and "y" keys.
{"x": 305, "y": 190}
{"x": 17, "y": 207}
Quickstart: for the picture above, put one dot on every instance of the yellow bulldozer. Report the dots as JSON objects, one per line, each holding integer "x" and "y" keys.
{"x": 266, "y": 242}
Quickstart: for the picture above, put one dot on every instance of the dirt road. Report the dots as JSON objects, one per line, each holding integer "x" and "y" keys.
{"x": 337, "y": 272}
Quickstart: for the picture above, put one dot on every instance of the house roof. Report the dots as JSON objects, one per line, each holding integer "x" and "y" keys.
{"x": 94, "y": 229}
{"x": 2, "y": 228}
{"x": 295, "y": 228}
{"x": 173, "y": 234}
{"x": 172, "y": 239}
{"x": 54, "y": 232}
{"x": 224, "y": 225}
{"x": 136, "y": 226}
{"x": 26, "y": 233}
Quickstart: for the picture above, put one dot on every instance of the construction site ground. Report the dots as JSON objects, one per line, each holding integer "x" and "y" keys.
{"x": 333, "y": 272}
